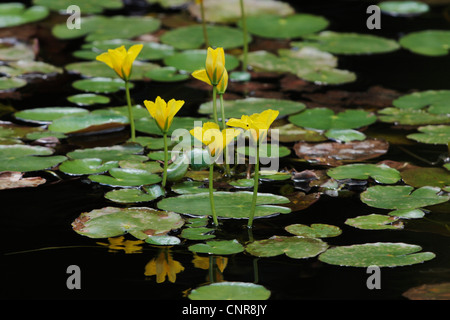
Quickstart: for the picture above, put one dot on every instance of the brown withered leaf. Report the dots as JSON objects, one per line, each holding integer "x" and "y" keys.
{"x": 14, "y": 179}
{"x": 336, "y": 154}
{"x": 300, "y": 200}
{"x": 440, "y": 291}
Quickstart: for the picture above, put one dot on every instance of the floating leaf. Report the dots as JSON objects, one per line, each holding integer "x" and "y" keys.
{"x": 345, "y": 135}
{"x": 438, "y": 134}
{"x": 113, "y": 153}
{"x": 166, "y": 74}
{"x": 100, "y": 85}
{"x": 190, "y": 60}
{"x": 376, "y": 254}
{"x": 197, "y": 233}
{"x": 163, "y": 240}
{"x": 316, "y": 230}
{"x": 148, "y": 125}
{"x": 14, "y": 179}
{"x": 408, "y": 213}
{"x": 290, "y": 27}
{"x": 220, "y": 247}
{"x": 437, "y": 101}
{"x": 89, "y": 6}
{"x": 326, "y": 119}
{"x": 375, "y": 222}
{"x": 293, "y": 247}
{"x": 126, "y": 177}
{"x": 230, "y": 291}
{"x": 189, "y": 187}
{"x": 48, "y": 114}
{"x": 140, "y": 222}
{"x": 291, "y": 133}
{"x": 402, "y": 197}
{"x": 427, "y": 42}
{"x": 87, "y": 99}
{"x": 380, "y": 173}
{"x": 348, "y": 43}
{"x": 15, "y": 14}
{"x": 86, "y": 123}
{"x": 438, "y": 291}
{"x": 11, "y": 83}
{"x": 12, "y": 50}
{"x": 403, "y": 8}
{"x": 228, "y": 204}
{"x": 411, "y": 117}
{"x": 420, "y": 177}
{"x": 23, "y": 158}
{"x": 86, "y": 166}
{"x": 132, "y": 195}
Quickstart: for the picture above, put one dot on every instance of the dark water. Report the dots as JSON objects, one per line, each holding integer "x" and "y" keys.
{"x": 38, "y": 243}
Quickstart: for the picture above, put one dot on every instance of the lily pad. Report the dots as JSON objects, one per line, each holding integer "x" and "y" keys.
{"x": 402, "y": 197}
{"x": 427, "y": 42}
{"x": 48, "y": 114}
{"x": 149, "y": 126}
{"x": 100, "y": 85}
{"x": 380, "y": 173}
{"x": 191, "y": 37}
{"x": 24, "y": 158}
{"x": 289, "y": 27}
{"x": 132, "y": 195}
{"x": 190, "y": 187}
{"x": 113, "y": 153}
{"x": 228, "y": 204}
{"x": 126, "y": 177}
{"x": 7, "y": 84}
{"x": 403, "y": 8}
{"x": 292, "y": 133}
{"x": 326, "y": 119}
{"x": 316, "y": 230}
{"x": 348, "y": 43}
{"x": 293, "y": 247}
{"x": 437, "y": 101}
{"x": 166, "y": 74}
{"x": 411, "y": 117}
{"x": 420, "y": 177}
{"x": 230, "y": 291}
{"x": 379, "y": 254}
{"x": 220, "y": 247}
{"x": 439, "y": 134}
{"x": 15, "y": 14}
{"x": 345, "y": 135}
{"x": 408, "y": 213}
{"x": 197, "y": 233}
{"x": 438, "y": 291}
{"x": 375, "y": 222}
{"x": 140, "y": 222}
{"x": 86, "y": 166}
{"x": 249, "y": 106}
{"x": 88, "y": 6}
{"x": 163, "y": 240}
{"x": 28, "y": 67}
{"x": 14, "y": 179}
{"x": 13, "y": 50}
{"x": 88, "y": 99}
{"x": 188, "y": 61}
{"x": 88, "y": 123}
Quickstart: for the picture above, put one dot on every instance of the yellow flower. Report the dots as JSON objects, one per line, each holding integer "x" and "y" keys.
{"x": 163, "y": 266}
{"x": 163, "y": 112}
{"x": 121, "y": 60}
{"x": 211, "y": 136}
{"x": 258, "y": 123}
{"x": 215, "y": 67}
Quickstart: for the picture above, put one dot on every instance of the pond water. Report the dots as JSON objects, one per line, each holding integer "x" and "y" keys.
{"x": 39, "y": 244}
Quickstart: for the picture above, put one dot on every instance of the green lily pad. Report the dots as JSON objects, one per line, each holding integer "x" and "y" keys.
{"x": 438, "y": 134}
{"x": 427, "y": 42}
{"x": 376, "y": 254}
{"x": 166, "y": 74}
{"x": 88, "y": 6}
{"x": 48, "y": 114}
{"x": 411, "y": 117}
{"x": 292, "y": 133}
{"x": 316, "y": 230}
{"x": 420, "y": 177}
{"x": 266, "y": 151}
{"x": 197, "y": 233}
{"x": 113, "y": 153}
{"x": 375, "y": 222}
{"x": 228, "y": 204}
{"x": 15, "y": 14}
{"x": 100, "y": 85}
{"x": 88, "y": 99}
{"x": 178, "y": 168}
{"x": 243, "y": 183}
{"x": 149, "y": 126}
{"x": 7, "y": 84}
{"x": 408, "y": 213}
{"x": 24, "y": 158}
{"x": 189, "y": 187}
{"x": 348, "y": 43}
{"x": 402, "y": 197}
{"x": 220, "y": 247}
{"x": 13, "y": 50}
{"x": 86, "y": 123}
{"x": 132, "y": 195}
{"x": 126, "y": 177}
{"x": 191, "y": 37}
{"x": 289, "y": 27}
{"x": 86, "y": 166}
{"x": 149, "y": 166}
{"x": 27, "y": 67}
{"x": 403, "y": 8}
{"x": 139, "y": 222}
{"x": 108, "y": 28}
{"x": 326, "y": 119}
{"x": 190, "y": 60}
{"x": 345, "y": 135}
{"x": 329, "y": 76}
{"x": 249, "y": 106}
{"x": 437, "y": 101}
{"x": 230, "y": 291}
{"x": 380, "y": 173}
{"x": 163, "y": 240}
{"x": 293, "y": 247}
{"x": 44, "y": 134}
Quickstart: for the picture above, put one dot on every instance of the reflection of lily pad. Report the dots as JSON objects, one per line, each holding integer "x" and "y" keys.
{"x": 438, "y": 134}
{"x": 375, "y": 222}
{"x": 230, "y": 291}
{"x": 427, "y": 42}
{"x": 402, "y": 197}
{"x": 380, "y": 173}
{"x": 228, "y": 204}
{"x": 15, "y": 14}
{"x": 437, "y": 101}
{"x": 292, "y": 26}
{"x": 190, "y": 60}
{"x": 221, "y": 247}
{"x": 420, "y": 177}
{"x": 132, "y": 195}
{"x": 86, "y": 166}
{"x": 348, "y": 43}
{"x": 112, "y": 222}
{"x": 378, "y": 254}
{"x": 325, "y": 119}
{"x": 126, "y": 177}
{"x": 293, "y": 247}
{"x": 316, "y": 230}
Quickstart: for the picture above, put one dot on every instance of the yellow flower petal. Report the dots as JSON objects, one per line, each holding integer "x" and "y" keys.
{"x": 201, "y": 75}
{"x": 121, "y": 60}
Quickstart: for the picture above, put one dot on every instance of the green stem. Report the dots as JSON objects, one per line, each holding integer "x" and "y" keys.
{"x": 211, "y": 194}
{"x": 216, "y": 120}
{"x": 255, "y": 188}
{"x": 225, "y": 151}
{"x": 211, "y": 269}
{"x": 166, "y": 159}
{"x": 244, "y": 29}
{"x": 205, "y": 32}
{"x": 130, "y": 111}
